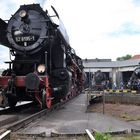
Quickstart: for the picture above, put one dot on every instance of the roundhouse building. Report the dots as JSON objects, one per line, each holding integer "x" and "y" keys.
{"x": 117, "y": 71}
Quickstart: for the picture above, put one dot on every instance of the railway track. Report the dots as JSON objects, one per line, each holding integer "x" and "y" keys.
{"x": 13, "y": 127}
{"x": 22, "y": 110}
{"x": 20, "y": 107}
{"x": 67, "y": 123}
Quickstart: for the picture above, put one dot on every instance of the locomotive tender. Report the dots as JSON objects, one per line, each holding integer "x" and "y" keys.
{"x": 45, "y": 68}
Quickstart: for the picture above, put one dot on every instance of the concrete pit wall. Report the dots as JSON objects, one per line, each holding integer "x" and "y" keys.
{"x": 122, "y": 98}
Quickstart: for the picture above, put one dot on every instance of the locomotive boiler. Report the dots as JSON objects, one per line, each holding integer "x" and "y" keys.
{"x": 45, "y": 68}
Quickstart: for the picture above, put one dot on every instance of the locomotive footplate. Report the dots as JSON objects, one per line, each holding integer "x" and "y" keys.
{"x": 19, "y": 81}
{"x": 7, "y": 84}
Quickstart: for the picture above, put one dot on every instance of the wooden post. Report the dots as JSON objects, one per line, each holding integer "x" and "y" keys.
{"x": 103, "y": 102}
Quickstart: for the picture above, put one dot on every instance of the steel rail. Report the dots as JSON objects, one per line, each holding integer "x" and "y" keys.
{"x": 16, "y": 108}
{"x": 26, "y": 121}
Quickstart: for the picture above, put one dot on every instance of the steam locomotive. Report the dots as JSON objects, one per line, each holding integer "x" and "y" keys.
{"x": 99, "y": 80}
{"x": 134, "y": 82}
{"x": 45, "y": 68}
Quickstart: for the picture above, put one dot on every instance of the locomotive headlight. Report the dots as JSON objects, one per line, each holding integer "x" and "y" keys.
{"x": 22, "y": 13}
{"x": 41, "y": 68}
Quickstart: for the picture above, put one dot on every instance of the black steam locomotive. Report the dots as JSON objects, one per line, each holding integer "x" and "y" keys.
{"x": 45, "y": 68}
{"x": 99, "y": 80}
{"x": 134, "y": 82}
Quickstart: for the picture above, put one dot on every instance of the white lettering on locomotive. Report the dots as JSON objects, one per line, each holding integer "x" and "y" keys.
{"x": 25, "y": 39}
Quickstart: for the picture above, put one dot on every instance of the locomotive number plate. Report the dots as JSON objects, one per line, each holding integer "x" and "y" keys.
{"x": 25, "y": 38}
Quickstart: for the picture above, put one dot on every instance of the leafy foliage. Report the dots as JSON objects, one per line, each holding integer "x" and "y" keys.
{"x": 128, "y": 56}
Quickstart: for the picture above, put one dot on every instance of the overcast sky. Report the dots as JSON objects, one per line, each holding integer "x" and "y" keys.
{"x": 96, "y": 28}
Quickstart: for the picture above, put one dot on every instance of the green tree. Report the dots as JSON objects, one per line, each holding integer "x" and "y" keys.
{"x": 126, "y": 57}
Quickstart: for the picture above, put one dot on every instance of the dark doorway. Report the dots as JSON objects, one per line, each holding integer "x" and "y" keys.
{"x": 126, "y": 76}
{"x": 107, "y": 75}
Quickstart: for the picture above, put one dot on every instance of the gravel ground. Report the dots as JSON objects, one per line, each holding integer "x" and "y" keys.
{"x": 122, "y": 111}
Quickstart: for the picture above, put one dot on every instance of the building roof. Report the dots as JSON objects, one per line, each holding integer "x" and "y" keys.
{"x": 115, "y": 64}
{"x": 135, "y": 57}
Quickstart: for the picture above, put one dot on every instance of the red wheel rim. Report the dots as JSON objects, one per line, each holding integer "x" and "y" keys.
{"x": 48, "y": 100}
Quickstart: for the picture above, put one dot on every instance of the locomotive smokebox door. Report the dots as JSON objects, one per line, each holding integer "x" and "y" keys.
{"x": 32, "y": 81}
{"x": 26, "y": 29}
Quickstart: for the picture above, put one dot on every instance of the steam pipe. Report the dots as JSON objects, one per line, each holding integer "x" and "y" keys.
{"x": 46, "y": 53}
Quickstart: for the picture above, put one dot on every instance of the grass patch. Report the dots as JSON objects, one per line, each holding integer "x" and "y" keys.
{"x": 102, "y": 136}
